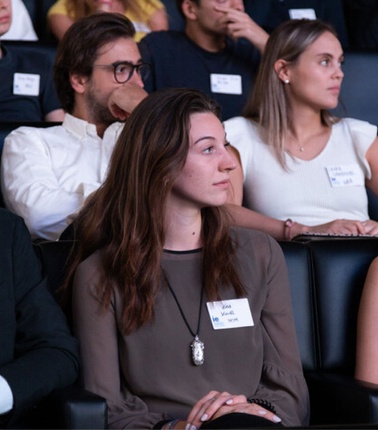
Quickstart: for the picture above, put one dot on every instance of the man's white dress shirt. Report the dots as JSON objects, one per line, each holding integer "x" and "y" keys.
{"x": 47, "y": 173}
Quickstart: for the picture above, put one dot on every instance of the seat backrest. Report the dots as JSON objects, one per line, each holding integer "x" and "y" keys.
{"x": 339, "y": 271}
{"x": 54, "y": 257}
{"x": 38, "y": 14}
{"x": 45, "y": 48}
{"x": 299, "y": 267}
{"x": 372, "y": 205}
{"x": 175, "y": 19}
{"x": 5, "y": 129}
{"x": 270, "y": 13}
{"x": 359, "y": 90}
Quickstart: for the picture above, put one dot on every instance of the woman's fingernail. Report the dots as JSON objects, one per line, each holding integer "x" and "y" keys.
{"x": 230, "y": 401}
{"x": 262, "y": 412}
{"x": 276, "y": 419}
{"x": 204, "y": 417}
{"x": 192, "y": 427}
{"x": 187, "y": 427}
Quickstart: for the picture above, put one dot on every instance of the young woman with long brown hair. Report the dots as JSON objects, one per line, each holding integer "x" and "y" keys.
{"x": 182, "y": 321}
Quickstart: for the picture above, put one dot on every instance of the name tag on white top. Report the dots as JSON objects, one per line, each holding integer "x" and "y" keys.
{"x": 345, "y": 175}
{"x": 230, "y": 314}
{"x": 26, "y": 84}
{"x": 302, "y": 13}
{"x": 225, "y": 84}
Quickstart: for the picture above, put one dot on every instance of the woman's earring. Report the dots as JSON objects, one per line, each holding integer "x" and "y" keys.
{"x": 286, "y": 81}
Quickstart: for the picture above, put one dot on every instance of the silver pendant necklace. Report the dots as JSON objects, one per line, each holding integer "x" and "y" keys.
{"x": 197, "y": 346}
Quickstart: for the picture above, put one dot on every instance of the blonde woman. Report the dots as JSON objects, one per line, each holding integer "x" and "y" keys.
{"x": 304, "y": 169}
{"x": 146, "y": 15}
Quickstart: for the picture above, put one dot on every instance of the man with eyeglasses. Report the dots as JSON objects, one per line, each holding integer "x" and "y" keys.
{"x": 47, "y": 173}
{"x": 217, "y": 53}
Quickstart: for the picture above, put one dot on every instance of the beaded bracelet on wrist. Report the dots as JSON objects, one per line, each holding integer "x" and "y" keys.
{"x": 264, "y": 403}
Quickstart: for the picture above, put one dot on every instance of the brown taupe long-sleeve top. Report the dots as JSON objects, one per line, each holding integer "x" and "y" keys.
{"x": 148, "y": 376}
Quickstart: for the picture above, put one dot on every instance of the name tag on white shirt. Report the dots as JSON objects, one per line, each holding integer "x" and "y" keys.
{"x": 230, "y": 314}
{"x": 345, "y": 175}
{"x": 26, "y": 84}
{"x": 302, "y": 13}
{"x": 226, "y": 84}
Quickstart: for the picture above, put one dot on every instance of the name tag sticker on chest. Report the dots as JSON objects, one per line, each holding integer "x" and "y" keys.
{"x": 26, "y": 84}
{"x": 302, "y": 13}
{"x": 226, "y": 84}
{"x": 230, "y": 314}
{"x": 348, "y": 175}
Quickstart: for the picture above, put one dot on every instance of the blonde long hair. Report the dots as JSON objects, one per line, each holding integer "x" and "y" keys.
{"x": 268, "y": 104}
{"x": 80, "y": 8}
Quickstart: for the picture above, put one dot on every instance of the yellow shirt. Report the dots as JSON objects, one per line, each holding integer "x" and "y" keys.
{"x": 140, "y": 22}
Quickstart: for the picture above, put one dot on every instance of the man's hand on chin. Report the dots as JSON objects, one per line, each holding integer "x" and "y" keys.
{"x": 124, "y": 99}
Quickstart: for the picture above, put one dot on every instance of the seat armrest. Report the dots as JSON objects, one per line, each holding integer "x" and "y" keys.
{"x": 80, "y": 409}
{"x": 72, "y": 408}
{"x": 340, "y": 399}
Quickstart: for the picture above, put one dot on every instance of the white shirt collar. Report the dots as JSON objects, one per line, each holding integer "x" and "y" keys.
{"x": 82, "y": 128}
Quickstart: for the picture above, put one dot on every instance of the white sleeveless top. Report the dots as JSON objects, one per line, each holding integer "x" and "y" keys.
{"x": 330, "y": 186}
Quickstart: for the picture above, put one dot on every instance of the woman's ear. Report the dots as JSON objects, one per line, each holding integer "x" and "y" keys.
{"x": 282, "y": 70}
{"x": 189, "y": 9}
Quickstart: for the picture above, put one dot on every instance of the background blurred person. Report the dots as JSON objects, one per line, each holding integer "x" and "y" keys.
{"x": 21, "y": 26}
{"x": 146, "y": 15}
{"x": 27, "y": 90}
{"x": 217, "y": 53}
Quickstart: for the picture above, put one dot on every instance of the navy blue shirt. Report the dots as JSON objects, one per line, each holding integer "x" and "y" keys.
{"x": 13, "y": 107}
{"x": 176, "y": 61}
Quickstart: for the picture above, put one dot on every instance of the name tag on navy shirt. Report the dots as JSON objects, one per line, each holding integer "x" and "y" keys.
{"x": 230, "y": 314}
{"x": 225, "y": 84}
{"x": 302, "y": 13}
{"x": 26, "y": 84}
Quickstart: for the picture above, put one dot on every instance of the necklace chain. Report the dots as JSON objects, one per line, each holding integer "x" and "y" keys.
{"x": 197, "y": 345}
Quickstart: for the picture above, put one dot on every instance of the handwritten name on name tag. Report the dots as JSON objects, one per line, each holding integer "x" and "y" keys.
{"x": 230, "y": 314}
{"x": 26, "y": 84}
{"x": 347, "y": 175}
{"x": 225, "y": 84}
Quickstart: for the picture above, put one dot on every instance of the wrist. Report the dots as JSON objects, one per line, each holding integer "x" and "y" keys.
{"x": 170, "y": 425}
{"x": 293, "y": 229}
{"x": 288, "y": 229}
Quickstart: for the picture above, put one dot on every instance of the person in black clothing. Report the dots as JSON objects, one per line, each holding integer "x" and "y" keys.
{"x": 37, "y": 352}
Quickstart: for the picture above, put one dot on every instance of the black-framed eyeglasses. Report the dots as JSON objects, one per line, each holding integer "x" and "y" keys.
{"x": 124, "y": 70}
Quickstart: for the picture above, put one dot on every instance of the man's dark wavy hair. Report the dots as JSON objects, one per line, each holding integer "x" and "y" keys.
{"x": 79, "y": 48}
